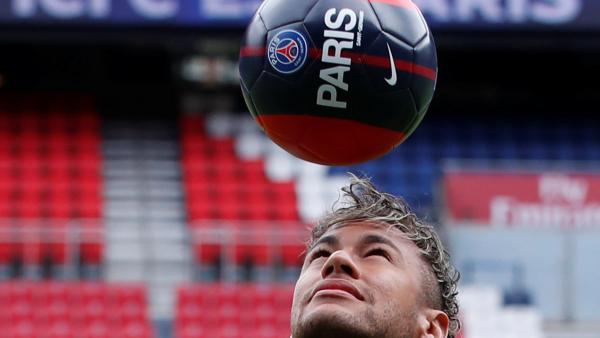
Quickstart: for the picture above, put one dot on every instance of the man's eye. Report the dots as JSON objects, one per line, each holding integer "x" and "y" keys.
{"x": 320, "y": 253}
{"x": 378, "y": 252}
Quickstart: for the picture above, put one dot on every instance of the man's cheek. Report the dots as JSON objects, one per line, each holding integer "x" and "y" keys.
{"x": 384, "y": 289}
{"x": 300, "y": 290}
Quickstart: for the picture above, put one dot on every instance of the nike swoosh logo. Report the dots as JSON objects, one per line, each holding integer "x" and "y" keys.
{"x": 393, "y": 78}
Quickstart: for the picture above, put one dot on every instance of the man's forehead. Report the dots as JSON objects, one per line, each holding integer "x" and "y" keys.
{"x": 359, "y": 227}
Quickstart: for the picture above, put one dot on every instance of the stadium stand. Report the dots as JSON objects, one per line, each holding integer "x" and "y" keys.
{"x": 233, "y": 310}
{"x": 73, "y": 309}
{"x": 50, "y": 184}
{"x": 65, "y": 175}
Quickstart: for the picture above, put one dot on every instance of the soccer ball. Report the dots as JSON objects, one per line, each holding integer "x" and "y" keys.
{"x": 338, "y": 82}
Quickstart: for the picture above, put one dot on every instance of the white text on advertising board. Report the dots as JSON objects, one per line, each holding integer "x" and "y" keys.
{"x": 562, "y": 203}
{"x": 508, "y": 11}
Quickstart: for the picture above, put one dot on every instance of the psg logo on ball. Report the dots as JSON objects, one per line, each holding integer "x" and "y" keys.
{"x": 287, "y": 51}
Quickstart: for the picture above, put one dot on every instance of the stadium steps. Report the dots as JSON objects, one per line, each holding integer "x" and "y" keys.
{"x": 144, "y": 209}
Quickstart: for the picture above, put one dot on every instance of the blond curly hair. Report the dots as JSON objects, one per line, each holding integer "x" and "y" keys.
{"x": 361, "y": 200}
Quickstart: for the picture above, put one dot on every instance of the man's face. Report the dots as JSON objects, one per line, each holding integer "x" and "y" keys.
{"x": 360, "y": 280}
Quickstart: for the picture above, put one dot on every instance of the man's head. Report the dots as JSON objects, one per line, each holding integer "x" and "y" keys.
{"x": 374, "y": 270}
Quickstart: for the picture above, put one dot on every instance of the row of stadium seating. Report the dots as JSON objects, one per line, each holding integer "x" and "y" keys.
{"x": 233, "y": 310}
{"x": 54, "y": 242}
{"x": 98, "y": 310}
{"x": 257, "y": 242}
{"x": 73, "y": 309}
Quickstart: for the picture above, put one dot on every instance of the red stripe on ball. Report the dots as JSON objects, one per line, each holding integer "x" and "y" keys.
{"x": 252, "y": 51}
{"x": 369, "y": 60}
{"x": 327, "y": 140}
{"x": 425, "y": 72}
{"x": 383, "y": 62}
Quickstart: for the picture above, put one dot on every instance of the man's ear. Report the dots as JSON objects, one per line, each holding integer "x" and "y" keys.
{"x": 433, "y": 324}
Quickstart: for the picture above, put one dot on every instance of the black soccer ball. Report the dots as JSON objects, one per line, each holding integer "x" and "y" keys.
{"x": 338, "y": 82}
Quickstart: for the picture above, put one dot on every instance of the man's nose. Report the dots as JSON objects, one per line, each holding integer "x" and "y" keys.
{"x": 340, "y": 262}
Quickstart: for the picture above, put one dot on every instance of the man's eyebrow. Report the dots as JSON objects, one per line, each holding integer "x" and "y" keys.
{"x": 331, "y": 240}
{"x": 377, "y": 239}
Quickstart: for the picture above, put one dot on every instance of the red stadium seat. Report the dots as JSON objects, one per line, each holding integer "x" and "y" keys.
{"x": 92, "y": 292}
{"x": 135, "y": 330}
{"x": 207, "y": 252}
{"x": 61, "y": 329}
{"x": 191, "y": 330}
{"x": 58, "y": 141}
{"x": 92, "y": 246}
{"x": 254, "y": 171}
{"x": 56, "y": 244}
{"x": 29, "y": 206}
{"x": 57, "y": 310}
{"x": 7, "y": 246}
{"x": 6, "y": 203}
{"x": 292, "y": 248}
{"x": 98, "y": 329}
{"x": 57, "y": 292}
{"x": 21, "y": 329}
{"x": 29, "y": 143}
{"x": 29, "y": 248}
{"x": 89, "y": 207}
{"x": 60, "y": 210}
{"x": 253, "y": 246}
{"x": 129, "y": 313}
{"x": 130, "y": 293}
{"x": 201, "y": 211}
{"x": 93, "y": 310}
{"x": 19, "y": 291}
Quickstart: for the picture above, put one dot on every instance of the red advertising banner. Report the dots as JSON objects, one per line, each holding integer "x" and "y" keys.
{"x": 532, "y": 199}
